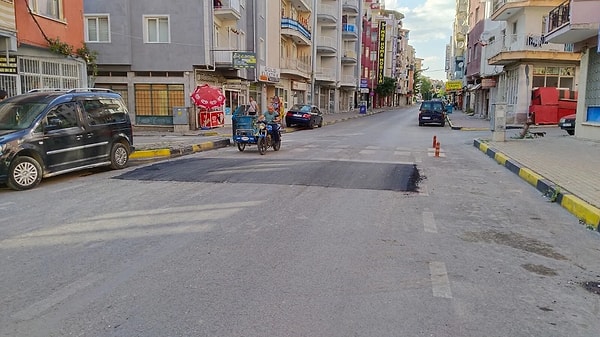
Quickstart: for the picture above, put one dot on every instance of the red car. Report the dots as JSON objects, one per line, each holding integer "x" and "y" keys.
{"x": 567, "y": 123}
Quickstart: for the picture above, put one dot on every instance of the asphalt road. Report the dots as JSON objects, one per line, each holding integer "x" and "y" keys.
{"x": 355, "y": 229}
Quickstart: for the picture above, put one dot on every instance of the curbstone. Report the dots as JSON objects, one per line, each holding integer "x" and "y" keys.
{"x": 587, "y": 213}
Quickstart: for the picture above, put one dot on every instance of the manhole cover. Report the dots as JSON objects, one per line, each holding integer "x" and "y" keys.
{"x": 593, "y": 287}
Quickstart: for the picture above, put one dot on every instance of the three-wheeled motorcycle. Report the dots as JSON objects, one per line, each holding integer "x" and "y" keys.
{"x": 248, "y": 130}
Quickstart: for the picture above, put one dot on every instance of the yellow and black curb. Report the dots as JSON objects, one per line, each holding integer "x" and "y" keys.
{"x": 176, "y": 152}
{"x": 585, "y": 212}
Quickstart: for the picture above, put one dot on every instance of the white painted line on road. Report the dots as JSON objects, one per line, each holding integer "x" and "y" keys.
{"x": 62, "y": 294}
{"x": 429, "y": 222}
{"x": 431, "y": 154}
{"x": 367, "y": 151}
{"x": 439, "y": 280}
{"x": 402, "y": 153}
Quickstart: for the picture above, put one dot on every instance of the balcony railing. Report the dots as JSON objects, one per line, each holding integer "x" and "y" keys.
{"x": 287, "y": 23}
{"x": 328, "y": 11}
{"x": 223, "y": 56}
{"x": 559, "y": 16}
{"x": 522, "y": 42}
{"x": 499, "y": 3}
{"x": 327, "y": 41}
{"x": 296, "y": 65}
{"x": 324, "y": 73}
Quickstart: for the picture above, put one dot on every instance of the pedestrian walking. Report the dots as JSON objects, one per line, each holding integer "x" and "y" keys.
{"x": 252, "y": 107}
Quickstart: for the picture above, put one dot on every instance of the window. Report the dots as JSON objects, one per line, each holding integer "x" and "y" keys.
{"x": 49, "y": 8}
{"x": 158, "y": 99}
{"x": 104, "y": 111}
{"x": 97, "y": 28}
{"x": 63, "y": 116}
{"x": 156, "y": 29}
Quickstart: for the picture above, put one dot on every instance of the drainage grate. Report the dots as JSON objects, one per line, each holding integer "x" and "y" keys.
{"x": 593, "y": 287}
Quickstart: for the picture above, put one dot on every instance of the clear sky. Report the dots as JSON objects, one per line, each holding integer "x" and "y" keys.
{"x": 430, "y": 24}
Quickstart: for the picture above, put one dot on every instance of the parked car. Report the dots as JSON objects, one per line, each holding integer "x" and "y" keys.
{"x": 432, "y": 112}
{"x": 304, "y": 115}
{"x": 47, "y": 133}
{"x": 567, "y": 123}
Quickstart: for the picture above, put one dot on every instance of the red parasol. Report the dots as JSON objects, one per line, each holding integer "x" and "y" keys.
{"x": 208, "y": 97}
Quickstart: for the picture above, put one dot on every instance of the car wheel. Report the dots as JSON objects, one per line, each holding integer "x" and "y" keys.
{"x": 24, "y": 173}
{"x": 311, "y": 124}
{"x": 321, "y": 123}
{"x": 443, "y": 124}
{"x": 288, "y": 124}
{"x": 119, "y": 156}
{"x": 571, "y": 132}
{"x": 241, "y": 146}
{"x": 420, "y": 124}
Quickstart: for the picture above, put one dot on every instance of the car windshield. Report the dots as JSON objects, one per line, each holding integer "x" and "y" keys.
{"x": 301, "y": 108}
{"x": 432, "y": 106}
{"x": 19, "y": 115}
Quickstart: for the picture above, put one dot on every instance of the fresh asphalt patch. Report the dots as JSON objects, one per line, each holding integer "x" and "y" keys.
{"x": 401, "y": 177}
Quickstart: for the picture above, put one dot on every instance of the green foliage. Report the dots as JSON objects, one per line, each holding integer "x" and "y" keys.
{"x": 59, "y": 47}
{"x": 63, "y": 48}
{"x": 425, "y": 87}
{"x": 387, "y": 88}
{"x": 89, "y": 56}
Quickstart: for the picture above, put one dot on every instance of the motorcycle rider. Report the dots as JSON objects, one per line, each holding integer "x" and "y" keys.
{"x": 272, "y": 117}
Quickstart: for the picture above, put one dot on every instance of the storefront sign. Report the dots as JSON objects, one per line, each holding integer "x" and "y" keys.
{"x": 381, "y": 53}
{"x": 244, "y": 60}
{"x": 9, "y": 67}
{"x": 364, "y": 83}
{"x": 488, "y": 83}
{"x": 300, "y": 86}
{"x": 268, "y": 74}
{"x": 453, "y": 86}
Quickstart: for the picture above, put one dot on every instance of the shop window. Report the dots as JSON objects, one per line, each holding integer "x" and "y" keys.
{"x": 158, "y": 99}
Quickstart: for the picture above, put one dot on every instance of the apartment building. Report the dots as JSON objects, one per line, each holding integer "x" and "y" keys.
{"x": 529, "y": 60}
{"x": 577, "y": 21}
{"x": 481, "y": 78}
{"x": 27, "y": 32}
{"x": 302, "y": 51}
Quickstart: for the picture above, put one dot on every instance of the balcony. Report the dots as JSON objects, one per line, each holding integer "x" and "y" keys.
{"x": 227, "y": 10}
{"x": 302, "y": 5}
{"x": 327, "y": 14}
{"x": 349, "y": 57}
{"x": 350, "y": 6}
{"x": 325, "y": 74}
{"x": 526, "y": 48}
{"x": 348, "y": 81}
{"x": 223, "y": 58}
{"x": 326, "y": 45}
{"x": 573, "y": 22}
{"x": 294, "y": 66}
{"x": 502, "y": 10}
{"x": 349, "y": 31}
{"x": 295, "y": 31}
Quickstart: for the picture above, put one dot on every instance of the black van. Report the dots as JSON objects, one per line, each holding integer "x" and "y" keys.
{"x": 48, "y": 132}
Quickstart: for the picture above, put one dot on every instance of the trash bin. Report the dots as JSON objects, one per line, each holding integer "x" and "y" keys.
{"x": 449, "y": 108}
{"x": 363, "y": 107}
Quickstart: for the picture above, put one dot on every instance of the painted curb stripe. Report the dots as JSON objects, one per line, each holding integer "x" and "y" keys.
{"x": 530, "y": 176}
{"x": 575, "y": 205}
{"x": 166, "y": 153}
{"x": 588, "y": 213}
{"x": 150, "y": 154}
{"x": 501, "y": 158}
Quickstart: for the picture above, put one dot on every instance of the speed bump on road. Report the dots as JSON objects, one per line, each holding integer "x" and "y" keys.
{"x": 587, "y": 213}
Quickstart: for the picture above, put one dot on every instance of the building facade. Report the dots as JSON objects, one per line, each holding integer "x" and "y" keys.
{"x": 29, "y": 31}
{"x": 577, "y": 21}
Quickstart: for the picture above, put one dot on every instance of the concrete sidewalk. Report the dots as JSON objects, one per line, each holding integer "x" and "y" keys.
{"x": 562, "y": 167}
